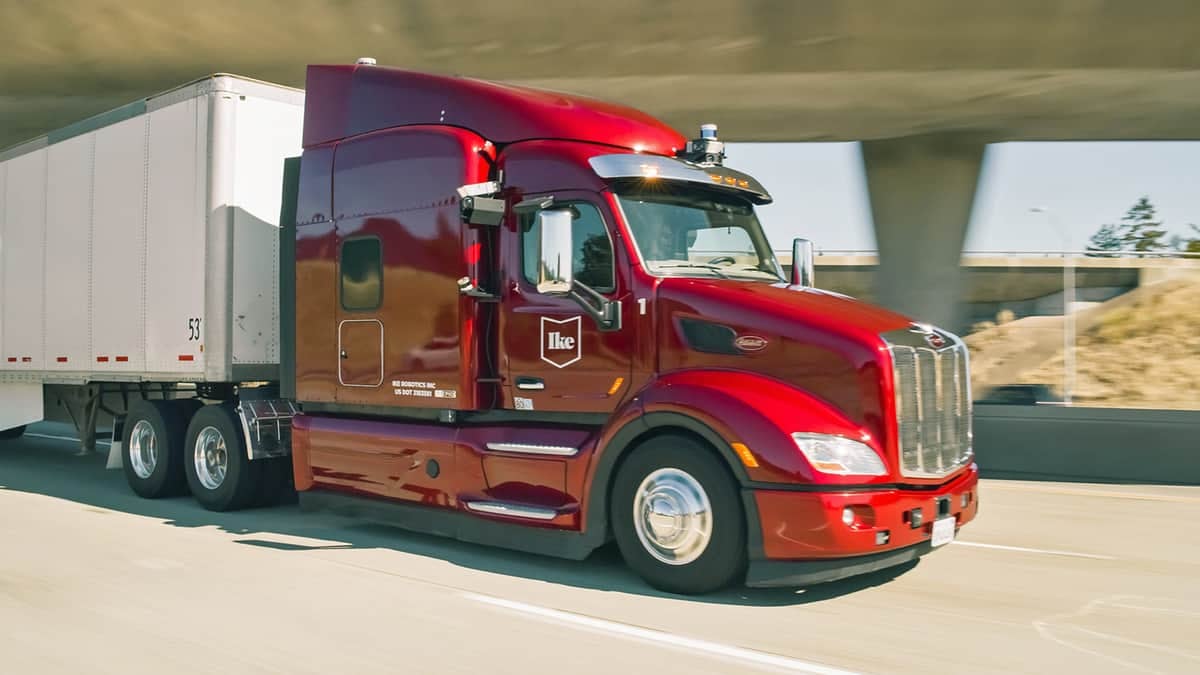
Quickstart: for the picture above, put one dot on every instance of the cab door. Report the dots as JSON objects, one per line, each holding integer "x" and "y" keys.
{"x": 558, "y": 358}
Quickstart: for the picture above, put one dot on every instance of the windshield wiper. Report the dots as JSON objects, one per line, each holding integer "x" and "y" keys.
{"x": 702, "y": 266}
{"x": 759, "y": 270}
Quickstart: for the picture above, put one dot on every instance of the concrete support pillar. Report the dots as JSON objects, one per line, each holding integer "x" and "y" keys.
{"x": 922, "y": 189}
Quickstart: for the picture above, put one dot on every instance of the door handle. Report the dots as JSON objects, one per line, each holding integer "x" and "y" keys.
{"x": 530, "y": 383}
{"x": 344, "y": 356}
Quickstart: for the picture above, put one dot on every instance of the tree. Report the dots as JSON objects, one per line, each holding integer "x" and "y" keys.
{"x": 1191, "y": 245}
{"x": 1139, "y": 230}
{"x": 1105, "y": 239}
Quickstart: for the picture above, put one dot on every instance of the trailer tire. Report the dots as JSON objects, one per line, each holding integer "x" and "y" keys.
{"x": 677, "y": 516}
{"x": 12, "y": 434}
{"x": 153, "y": 446}
{"x": 219, "y": 474}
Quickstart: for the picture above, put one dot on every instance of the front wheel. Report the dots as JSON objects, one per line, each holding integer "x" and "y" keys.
{"x": 677, "y": 518}
{"x": 219, "y": 473}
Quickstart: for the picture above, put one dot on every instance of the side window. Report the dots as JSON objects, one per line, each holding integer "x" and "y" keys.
{"x": 362, "y": 274}
{"x": 589, "y": 239}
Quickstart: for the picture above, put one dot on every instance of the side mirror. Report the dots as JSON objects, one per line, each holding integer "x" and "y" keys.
{"x": 802, "y": 263}
{"x": 557, "y": 273}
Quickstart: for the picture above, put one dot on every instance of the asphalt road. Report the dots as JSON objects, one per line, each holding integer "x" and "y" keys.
{"x": 1052, "y": 577}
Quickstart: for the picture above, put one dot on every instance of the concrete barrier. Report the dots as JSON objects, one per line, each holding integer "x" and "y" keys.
{"x": 1088, "y": 444}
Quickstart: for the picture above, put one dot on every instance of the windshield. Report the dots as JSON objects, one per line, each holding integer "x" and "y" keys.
{"x": 682, "y": 232}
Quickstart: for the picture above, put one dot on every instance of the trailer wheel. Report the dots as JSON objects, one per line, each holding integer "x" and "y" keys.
{"x": 220, "y": 475}
{"x": 153, "y": 443}
{"x": 677, "y": 517}
{"x": 12, "y": 434}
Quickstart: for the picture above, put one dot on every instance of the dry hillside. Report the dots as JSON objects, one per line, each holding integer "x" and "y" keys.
{"x": 1141, "y": 349}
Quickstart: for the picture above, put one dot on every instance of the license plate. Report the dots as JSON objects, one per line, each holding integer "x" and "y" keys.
{"x": 943, "y": 531}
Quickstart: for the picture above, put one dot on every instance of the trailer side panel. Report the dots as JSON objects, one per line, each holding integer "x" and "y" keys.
{"x": 266, "y": 132}
{"x": 175, "y": 238}
{"x": 23, "y": 260}
{"x": 68, "y": 254}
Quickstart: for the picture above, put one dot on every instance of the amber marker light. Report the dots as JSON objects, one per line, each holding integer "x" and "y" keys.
{"x": 616, "y": 385}
{"x": 744, "y": 454}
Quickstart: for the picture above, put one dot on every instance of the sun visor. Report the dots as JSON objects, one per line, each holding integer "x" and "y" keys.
{"x": 655, "y": 168}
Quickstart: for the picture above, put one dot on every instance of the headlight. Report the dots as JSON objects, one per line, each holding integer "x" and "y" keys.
{"x": 839, "y": 455}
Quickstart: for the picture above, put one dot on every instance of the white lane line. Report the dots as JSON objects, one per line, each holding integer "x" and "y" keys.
{"x": 748, "y": 657}
{"x": 1044, "y": 551}
{"x": 63, "y": 438}
{"x": 1160, "y": 610}
{"x": 1102, "y": 493}
{"x": 1137, "y": 643}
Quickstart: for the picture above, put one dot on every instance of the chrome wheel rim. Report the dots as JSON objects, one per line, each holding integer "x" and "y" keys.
{"x": 672, "y": 516}
{"x": 211, "y": 458}
{"x": 143, "y": 449}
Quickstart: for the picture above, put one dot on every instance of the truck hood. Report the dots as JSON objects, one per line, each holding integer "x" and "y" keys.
{"x": 826, "y": 344}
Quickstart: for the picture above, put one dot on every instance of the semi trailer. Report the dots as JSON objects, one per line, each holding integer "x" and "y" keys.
{"x": 509, "y": 316}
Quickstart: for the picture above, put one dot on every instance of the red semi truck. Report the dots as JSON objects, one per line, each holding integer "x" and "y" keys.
{"x": 543, "y": 322}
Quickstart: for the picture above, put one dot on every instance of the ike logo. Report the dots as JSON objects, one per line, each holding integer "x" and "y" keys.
{"x": 560, "y": 341}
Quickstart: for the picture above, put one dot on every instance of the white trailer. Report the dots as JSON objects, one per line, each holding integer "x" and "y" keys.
{"x": 139, "y": 254}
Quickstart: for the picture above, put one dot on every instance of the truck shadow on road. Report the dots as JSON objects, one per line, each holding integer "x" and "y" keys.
{"x": 50, "y": 468}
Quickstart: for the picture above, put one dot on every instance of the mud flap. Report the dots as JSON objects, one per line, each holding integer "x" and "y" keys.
{"x": 114, "y": 450}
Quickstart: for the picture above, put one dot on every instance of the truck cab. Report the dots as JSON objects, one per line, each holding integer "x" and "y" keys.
{"x": 545, "y": 322}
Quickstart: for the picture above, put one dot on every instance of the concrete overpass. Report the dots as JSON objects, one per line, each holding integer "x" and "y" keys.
{"x": 926, "y": 84}
{"x": 1026, "y": 284}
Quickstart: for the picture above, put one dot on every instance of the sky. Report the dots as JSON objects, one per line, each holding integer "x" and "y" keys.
{"x": 820, "y": 191}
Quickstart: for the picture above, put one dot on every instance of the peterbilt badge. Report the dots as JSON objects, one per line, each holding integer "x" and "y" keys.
{"x": 750, "y": 343}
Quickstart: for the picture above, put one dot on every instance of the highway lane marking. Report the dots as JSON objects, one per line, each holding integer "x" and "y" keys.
{"x": 1113, "y": 494}
{"x": 692, "y": 645}
{"x": 1137, "y": 643}
{"x": 1044, "y": 551}
{"x": 1143, "y": 608}
{"x": 1047, "y": 626}
{"x": 63, "y": 438}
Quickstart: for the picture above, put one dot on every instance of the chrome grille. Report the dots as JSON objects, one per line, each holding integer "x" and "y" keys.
{"x": 933, "y": 402}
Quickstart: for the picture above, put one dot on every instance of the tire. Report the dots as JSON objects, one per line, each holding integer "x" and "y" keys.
{"x": 219, "y": 474}
{"x": 677, "y": 472}
{"x": 12, "y": 434}
{"x": 153, "y": 448}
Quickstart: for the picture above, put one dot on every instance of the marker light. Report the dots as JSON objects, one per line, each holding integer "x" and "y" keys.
{"x": 847, "y": 516}
{"x": 616, "y": 385}
{"x": 839, "y": 455}
{"x": 650, "y": 170}
{"x": 745, "y": 455}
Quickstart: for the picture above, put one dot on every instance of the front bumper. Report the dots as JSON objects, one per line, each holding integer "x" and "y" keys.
{"x": 804, "y": 539}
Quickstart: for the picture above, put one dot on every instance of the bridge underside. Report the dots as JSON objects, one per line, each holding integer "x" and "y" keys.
{"x": 928, "y": 83}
